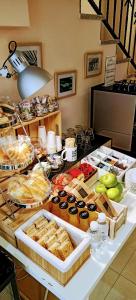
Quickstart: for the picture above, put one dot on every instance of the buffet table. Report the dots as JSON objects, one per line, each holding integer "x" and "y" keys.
{"x": 84, "y": 281}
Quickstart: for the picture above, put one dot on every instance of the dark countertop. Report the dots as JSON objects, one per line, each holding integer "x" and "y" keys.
{"x": 113, "y": 89}
{"x": 97, "y": 142}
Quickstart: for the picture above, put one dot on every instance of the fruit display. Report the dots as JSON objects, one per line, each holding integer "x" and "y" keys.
{"x": 109, "y": 185}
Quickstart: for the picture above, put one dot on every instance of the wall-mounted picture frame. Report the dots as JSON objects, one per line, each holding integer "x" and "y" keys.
{"x": 32, "y": 52}
{"x": 93, "y": 64}
{"x": 65, "y": 83}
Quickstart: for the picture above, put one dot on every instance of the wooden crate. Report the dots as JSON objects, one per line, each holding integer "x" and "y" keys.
{"x": 62, "y": 278}
{"x": 51, "y": 121}
{"x": 115, "y": 224}
{"x": 62, "y": 271}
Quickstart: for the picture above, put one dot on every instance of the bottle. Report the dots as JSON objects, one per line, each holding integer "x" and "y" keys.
{"x": 95, "y": 235}
{"x": 71, "y": 199}
{"x": 84, "y": 220}
{"x": 55, "y": 205}
{"x": 103, "y": 226}
{"x": 73, "y": 216}
{"x": 80, "y": 205}
{"x": 63, "y": 195}
{"x": 64, "y": 210}
{"x": 93, "y": 214}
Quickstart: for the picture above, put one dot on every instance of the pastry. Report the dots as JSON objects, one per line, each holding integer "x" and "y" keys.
{"x": 54, "y": 249}
{"x": 64, "y": 236}
{"x": 50, "y": 241}
{"x": 43, "y": 240}
{"x": 51, "y": 224}
{"x": 65, "y": 249}
{"x": 59, "y": 231}
{"x": 29, "y": 189}
{"x": 42, "y": 224}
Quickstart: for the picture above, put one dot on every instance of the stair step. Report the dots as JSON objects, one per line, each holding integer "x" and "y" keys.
{"x": 108, "y": 42}
{"x": 123, "y": 60}
{"x": 91, "y": 17}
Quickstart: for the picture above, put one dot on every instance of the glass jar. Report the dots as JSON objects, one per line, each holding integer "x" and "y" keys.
{"x": 93, "y": 214}
{"x": 71, "y": 199}
{"x": 73, "y": 216}
{"x": 55, "y": 205}
{"x": 80, "y": 205}
{"x": 63, "y": 206}
{"x": 84, "y": 220}
{"x": 63, "y": 195}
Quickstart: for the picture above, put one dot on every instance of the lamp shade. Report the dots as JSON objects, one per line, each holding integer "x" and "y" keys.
{"x": 31, "y": 79}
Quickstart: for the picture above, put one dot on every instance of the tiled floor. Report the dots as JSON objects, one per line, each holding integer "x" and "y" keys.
{"x": 119, "y": 282}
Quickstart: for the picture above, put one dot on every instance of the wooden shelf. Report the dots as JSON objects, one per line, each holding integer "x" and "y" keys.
{"x": 51, "y": 121}
{"x": 36, "y": 119}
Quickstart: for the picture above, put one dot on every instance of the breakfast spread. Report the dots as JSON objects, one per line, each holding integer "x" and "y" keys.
{"x": 50, "y": 236}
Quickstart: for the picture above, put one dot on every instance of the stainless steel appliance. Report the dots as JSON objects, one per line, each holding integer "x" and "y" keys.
{"x": 113, "y": 113}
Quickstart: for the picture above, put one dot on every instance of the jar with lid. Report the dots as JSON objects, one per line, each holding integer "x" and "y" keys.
{"x": 54, "y": 207}
{"x": 71, "y": 199}
{"x": 93, "y": 214}
{"x": 63, "y": 213}
{"x": 80, "y": 205}
{"x": 73, "y": 216}
{"x": 84, "y": 220}
{"x": 63, "y": 195}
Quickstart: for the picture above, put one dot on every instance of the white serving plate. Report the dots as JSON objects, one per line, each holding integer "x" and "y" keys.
{"x": 80, "y": 238}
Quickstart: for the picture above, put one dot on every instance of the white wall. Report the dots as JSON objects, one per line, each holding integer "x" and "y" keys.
{"x": 65, "y": 39}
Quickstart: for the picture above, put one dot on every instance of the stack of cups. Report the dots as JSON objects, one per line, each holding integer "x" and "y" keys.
{"x": 42, "y": 136}
{"x": 51, "y": 142}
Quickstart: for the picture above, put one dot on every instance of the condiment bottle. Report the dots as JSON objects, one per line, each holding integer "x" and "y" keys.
{"x": 103, "y": 226}
{"x": 84, "y": 220}
{"x": 93, "y": 214}
{"x": 73, "y": 216}
{"x": 55, "y": 205}
{"x": 95, "y": 235}
{"x": 80, "y": 205}
{"x": 64, "y": 210}
{"x": 71, "y": 199}
{"x": 63, "y": 195}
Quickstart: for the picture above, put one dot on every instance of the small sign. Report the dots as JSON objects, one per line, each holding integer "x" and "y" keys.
{"x": 110, "y": 69}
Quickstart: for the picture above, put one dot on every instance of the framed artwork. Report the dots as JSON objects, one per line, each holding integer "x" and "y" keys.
{"x": 93, "y": 64}
{"x": 65, "y": 84}
{"x": 32, "y": 52}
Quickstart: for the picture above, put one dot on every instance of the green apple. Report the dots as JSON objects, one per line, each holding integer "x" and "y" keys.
{"x": 113, "y": 193}
{"x": 100, "y": 188}
{"x": 118, "y": 199}
{"x": 120, "y": 187}
{"x": 109, "y": 180}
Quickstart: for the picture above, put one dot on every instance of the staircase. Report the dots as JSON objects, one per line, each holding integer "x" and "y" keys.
{"x": 118, "y": 25}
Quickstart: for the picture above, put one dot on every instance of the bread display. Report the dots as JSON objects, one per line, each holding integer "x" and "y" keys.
{"x": 52, "y": 237}
{"x": 15, "y": 151}
{"x": 31, "y": 188}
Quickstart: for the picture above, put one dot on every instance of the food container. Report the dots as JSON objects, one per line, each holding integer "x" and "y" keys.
{"x": 62, "y": 271}
{"x": 26, "y": 110}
